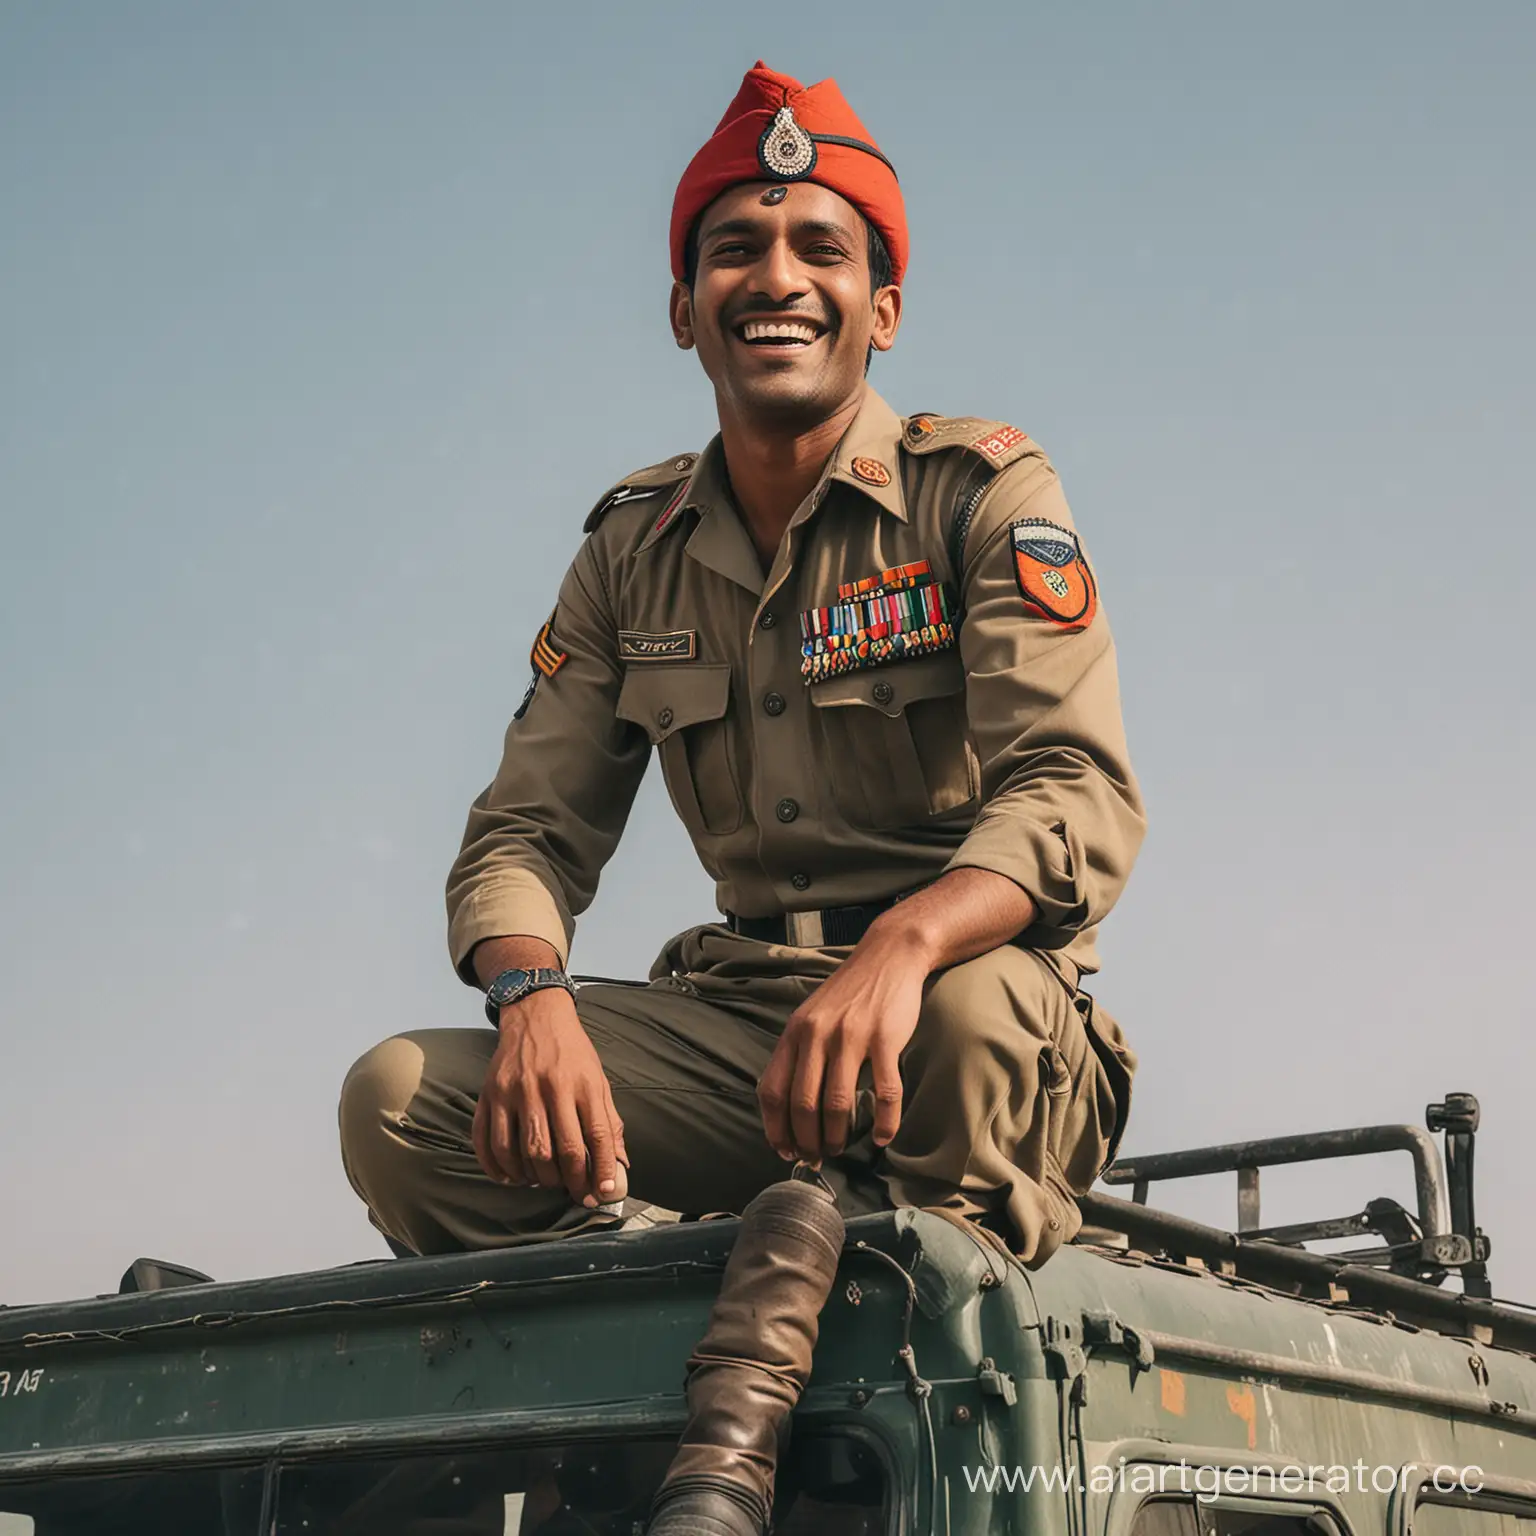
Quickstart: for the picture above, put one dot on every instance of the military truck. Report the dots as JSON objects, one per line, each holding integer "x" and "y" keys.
{"x": 1157, "y": 1378}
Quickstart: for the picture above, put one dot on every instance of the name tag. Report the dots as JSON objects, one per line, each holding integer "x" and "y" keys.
{"x": 678, "y": 645}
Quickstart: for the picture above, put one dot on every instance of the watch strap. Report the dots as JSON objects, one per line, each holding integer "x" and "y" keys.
{"x": 513, "y": 985}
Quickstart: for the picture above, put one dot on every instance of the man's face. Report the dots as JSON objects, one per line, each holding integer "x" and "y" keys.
{"x": 781, "y": 310}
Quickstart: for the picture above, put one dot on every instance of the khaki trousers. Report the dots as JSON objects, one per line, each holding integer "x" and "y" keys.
{"x": 1015, "y": 1090}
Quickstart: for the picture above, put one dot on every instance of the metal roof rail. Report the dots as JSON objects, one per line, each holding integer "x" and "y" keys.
{"x": 1442, "y": 1236}
{"x": 1315, "y": 1276}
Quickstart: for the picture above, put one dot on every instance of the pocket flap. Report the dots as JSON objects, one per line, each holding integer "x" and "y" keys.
{"x": 664, "y": 699}
{"x": 894, "y": 686}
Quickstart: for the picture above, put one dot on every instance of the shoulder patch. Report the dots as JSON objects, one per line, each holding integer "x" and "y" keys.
{"x": 1054, "y": 579}
{"x": 995, "y": 442}
{"x": 644, "y": 482}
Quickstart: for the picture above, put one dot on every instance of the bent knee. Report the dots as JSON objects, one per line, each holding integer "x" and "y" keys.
{"x": 986, "y": 1002}
{"x": 377, "y": 1092}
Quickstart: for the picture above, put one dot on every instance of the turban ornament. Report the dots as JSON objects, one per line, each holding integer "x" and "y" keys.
{"x": 779, "y": 130}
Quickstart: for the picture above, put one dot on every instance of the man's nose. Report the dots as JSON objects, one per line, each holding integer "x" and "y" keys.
{"x": 779, "y": 275}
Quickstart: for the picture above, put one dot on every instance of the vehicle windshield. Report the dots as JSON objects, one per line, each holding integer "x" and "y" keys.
{"x": 201, "y": 1503}
{"x": 828, "y": 1486}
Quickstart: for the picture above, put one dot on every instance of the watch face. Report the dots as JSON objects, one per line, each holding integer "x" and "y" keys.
{"x": 508, "y": 985}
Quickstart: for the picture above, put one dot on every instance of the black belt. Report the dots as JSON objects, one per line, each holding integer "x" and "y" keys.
{"x": 831, "y": 926}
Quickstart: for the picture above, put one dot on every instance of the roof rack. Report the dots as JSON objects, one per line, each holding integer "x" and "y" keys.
{"x": 1403, "y": 1274}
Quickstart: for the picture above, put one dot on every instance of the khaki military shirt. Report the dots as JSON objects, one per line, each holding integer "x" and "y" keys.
{"x": 1003, "y": 750}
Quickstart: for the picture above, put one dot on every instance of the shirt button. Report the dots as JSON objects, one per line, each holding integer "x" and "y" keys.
{"x": 663, "y": 718}
{"x": 884, "y": 693}
{"x": 768, "y": 620}
{"x": 800, "y": 882}
{"x": 787, "y": 809}
{"x": 774, "y": 703}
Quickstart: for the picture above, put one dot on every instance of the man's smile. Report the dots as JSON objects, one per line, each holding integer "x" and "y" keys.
{"x": 788, "y": 333}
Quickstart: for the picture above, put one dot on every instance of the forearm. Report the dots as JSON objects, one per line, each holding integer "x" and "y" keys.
{"x": 964, "y": 913}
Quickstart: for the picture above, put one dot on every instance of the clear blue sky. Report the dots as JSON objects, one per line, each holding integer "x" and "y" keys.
{"x": 321, "y": 327}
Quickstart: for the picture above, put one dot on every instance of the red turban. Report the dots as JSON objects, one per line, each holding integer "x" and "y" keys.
{"x": 779, "y": 130}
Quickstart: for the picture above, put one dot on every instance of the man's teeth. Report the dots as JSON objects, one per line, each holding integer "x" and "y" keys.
{"x": 778, "y": 330}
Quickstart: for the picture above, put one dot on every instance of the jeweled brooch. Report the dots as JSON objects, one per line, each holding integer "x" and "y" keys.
{"x": 786, "y": 150}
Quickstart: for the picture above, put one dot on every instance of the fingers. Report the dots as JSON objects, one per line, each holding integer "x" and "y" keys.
{"x": 805, "y": 1098}
{"x": 602, "y": 1144}
{"x": 570, "y": 1145}
{"x": 838, "y": 1091}
{"x": 810, "y": 1088}
{"x": 773, "y": 1097}
{"x": 620, "y": 1151}
{"x": 885, "y": 1066}
{"x": 480, "y": 1136}
{"x": 554, "y": 1147}
{"x": 494, "y": 1140}
{"x": 537, "y": 1147}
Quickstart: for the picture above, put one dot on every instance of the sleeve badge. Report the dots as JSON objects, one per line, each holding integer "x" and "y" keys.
{"x": 1053, "y": 576}
{"x": 546, "y": 658}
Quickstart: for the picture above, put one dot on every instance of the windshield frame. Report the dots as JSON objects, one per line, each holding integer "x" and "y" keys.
{"x": 272, "y": 1454}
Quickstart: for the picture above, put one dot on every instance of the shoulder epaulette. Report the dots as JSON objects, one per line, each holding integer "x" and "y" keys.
{"x": 995, "y": 442}
{"x": 644, "y": 482}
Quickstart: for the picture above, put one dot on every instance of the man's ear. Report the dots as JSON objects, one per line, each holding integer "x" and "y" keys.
{"x": 887, "y": 318}
{"x": 681, "y": 307}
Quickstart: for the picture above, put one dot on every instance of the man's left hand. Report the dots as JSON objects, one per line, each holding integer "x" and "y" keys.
{"x": 865, "y": 1011}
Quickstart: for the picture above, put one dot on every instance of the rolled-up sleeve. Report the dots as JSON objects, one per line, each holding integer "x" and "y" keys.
{"x": 538, "y": 837}
{"x": 1061, "y": 812}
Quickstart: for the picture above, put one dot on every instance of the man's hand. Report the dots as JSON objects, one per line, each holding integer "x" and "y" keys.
{"x": 867, "y": 1011}
{"x": 546, "y": 1114}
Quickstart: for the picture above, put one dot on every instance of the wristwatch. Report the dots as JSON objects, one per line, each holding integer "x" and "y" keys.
{"x": 511, "y": 986}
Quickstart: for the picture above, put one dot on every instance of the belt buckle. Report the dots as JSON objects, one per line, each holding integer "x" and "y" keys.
{"x": 804, "y": 930}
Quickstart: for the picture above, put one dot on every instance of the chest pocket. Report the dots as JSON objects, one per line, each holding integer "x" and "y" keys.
{"x": 683, "y": 710}
{"x": 896, "y": 743}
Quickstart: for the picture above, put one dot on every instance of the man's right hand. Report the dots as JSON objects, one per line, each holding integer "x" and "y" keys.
{"x": 546, "y": 1114}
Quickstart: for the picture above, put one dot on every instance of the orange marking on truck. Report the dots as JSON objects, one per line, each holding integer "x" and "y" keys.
{"x": 1240, "y": 1400}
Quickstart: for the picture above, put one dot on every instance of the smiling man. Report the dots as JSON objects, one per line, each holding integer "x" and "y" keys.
{"x": 870, "y": 653}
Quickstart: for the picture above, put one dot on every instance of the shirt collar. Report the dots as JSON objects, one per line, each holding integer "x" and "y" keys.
{"x": 720, "y": 541}
{"x": 867, "y": 458}
{"x": 868, "y": 455}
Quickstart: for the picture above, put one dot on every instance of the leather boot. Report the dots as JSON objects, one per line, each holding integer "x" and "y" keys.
{"x": 752, "y": 1364}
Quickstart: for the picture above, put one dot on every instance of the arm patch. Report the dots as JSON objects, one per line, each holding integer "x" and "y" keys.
{"x": 1054, "y": 579}
{"x": 546, "y": 658}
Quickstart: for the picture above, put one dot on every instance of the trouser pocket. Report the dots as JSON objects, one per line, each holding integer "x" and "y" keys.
{"x": 1119, "y": 1063}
